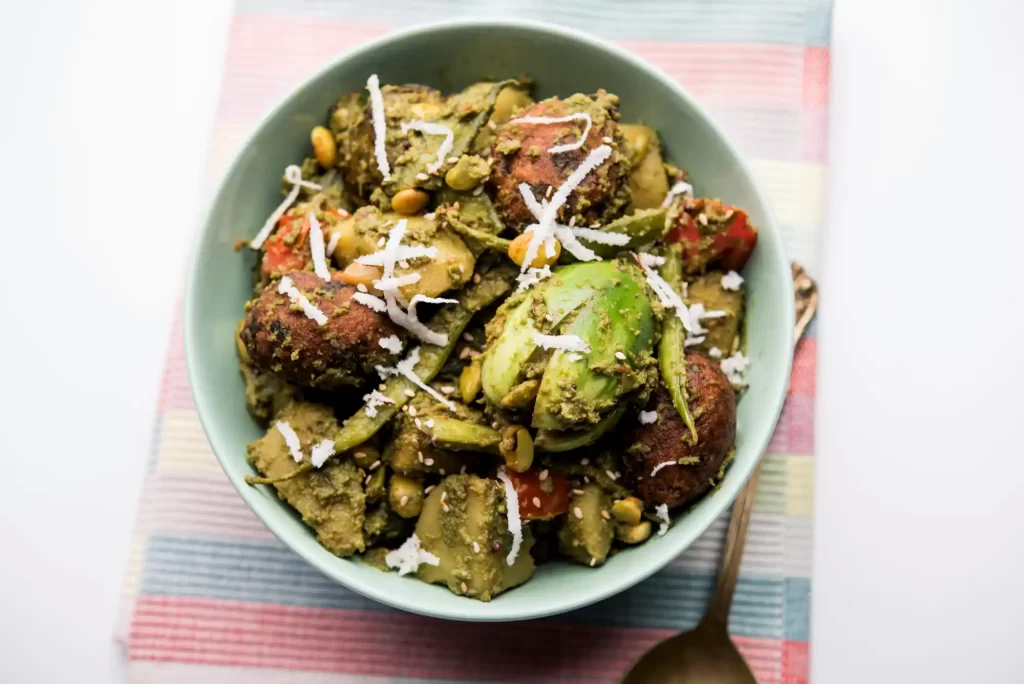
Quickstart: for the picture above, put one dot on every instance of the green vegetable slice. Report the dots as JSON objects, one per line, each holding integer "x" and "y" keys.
{"x": 671, "y": 355}
{"x": 461, "y": 435}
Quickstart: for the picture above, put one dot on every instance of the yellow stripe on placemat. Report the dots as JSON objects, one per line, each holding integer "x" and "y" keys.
{"x": 183, "y": 448}
{"x": 800, "y": 486}
{"x": 795, "y": 189}
{"x": 786, "y": 485}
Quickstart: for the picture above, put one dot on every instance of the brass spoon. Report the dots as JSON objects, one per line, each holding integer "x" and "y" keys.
{"x": 706, "y": 654}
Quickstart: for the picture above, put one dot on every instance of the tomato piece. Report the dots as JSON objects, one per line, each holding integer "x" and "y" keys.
{"x": 531, "y": 490}
{"x": 725, "y": 237}
{"x": 737, "y": 243}
{"x": 279, "y": 255}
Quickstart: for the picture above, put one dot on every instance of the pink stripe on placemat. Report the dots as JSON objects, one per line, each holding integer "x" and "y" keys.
{"x": 360, "y": 642}
{"x": 804, "y": 374}
{"x": 175, "y": 392}
{"x": 794, "y": 433}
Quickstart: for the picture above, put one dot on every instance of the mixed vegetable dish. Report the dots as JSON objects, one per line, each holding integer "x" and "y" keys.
{"x": 488, "y": 332}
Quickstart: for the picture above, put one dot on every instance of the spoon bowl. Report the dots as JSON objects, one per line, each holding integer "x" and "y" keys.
{"x": 704, "y": 655}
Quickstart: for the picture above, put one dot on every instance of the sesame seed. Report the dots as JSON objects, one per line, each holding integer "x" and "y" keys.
{"x": 428, "y": 489}
{"x": 593, "y": 561}
{"x": 578, "y": 513}
{"x": 375, "y": 465}
{"x": 428, "y": 462}
{"x": 360, "y": 454}
{"x": 465, "y": 353}
{"x": 462, "y": 268}
{"x": 478, "y": 190}
{"x": 492, "y": 125}
{"x": 412, "y": 411}
{"x": 536, "y": 501}
{"x": 703, "y": 219}
{"x": 476, "y": 548}
{"x": 572, "y": 221}
{"x": 578, "y": 492}
{"x": 586, "y": 480}
{"x": 368, "y": 478}
{"x": 409, "y": 393}
{"x": 419, "y": 425}
{"x": 381, "y": 242}
{"x": 455, "y": 206}
{"x": 441, "y": 471}
{"x": 444, "y": 495}
{"x": 595, "y": 224}
{"x": 430, "y": 422}
{"x": 610, "y": 474}
{"x": 604, "y": 514}
{"x": 404, "y": 500}
{"x": 429, "y": 217}
{"x": 444, "y": 507}
{"x": 361, "y": 287}
{"x": 584, "y": 461}
{"x": 495, "y": 425}
{"x": 419, "y": 456}
{"x": 464, "y": 588}
{"x": 447, "y": 389}
{"x": 462, "y": 470}
{"x": 382, "y": 387}
{"x": 452, "y": 160}
{"x": 403, "y": 263}
{"x": 422, "y": 176}
{"x": 620, "y": 356}
{"x": 547, "y": 194}
{"x": 476, "y": 278}
{"x": 405, "y": 409}
{"x": 606, "y": 140}
{"x": 466, "y": 336}
{"x": 543, "y": 474}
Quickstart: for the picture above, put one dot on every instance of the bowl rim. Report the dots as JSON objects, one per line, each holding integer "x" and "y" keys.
{"x": 671, "y": 546}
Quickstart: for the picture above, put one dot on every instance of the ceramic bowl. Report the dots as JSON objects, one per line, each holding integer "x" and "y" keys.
{"x": 449, "y": 56}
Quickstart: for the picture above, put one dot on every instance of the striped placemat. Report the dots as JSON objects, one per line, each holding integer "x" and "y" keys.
{"x": 211, "y": 596}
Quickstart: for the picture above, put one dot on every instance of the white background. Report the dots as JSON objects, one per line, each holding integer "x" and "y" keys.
{"x": 106, "y": 111}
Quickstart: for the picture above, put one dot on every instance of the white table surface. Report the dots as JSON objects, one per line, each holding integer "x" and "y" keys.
{"x": 106, "y": 115}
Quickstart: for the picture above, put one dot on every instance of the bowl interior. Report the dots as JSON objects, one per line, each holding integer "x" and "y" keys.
{"x": 449, "y": 57}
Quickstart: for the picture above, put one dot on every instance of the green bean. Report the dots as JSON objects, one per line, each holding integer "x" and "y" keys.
{"x": 486, "y": 239}
{"x": 452, "y": 320}
{"x": 464, "y": 130}
{"x": 300, "y": 470}
{"x": 461, "y": 435}
{"x": 642, "y": 226}
{"x": 671, "y": 354}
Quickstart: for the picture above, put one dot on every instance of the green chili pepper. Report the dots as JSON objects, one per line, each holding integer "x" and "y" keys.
{"x": 671, "y": 355}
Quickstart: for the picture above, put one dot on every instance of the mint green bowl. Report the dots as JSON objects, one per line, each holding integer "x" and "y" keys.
{"x": 449, "y": 56}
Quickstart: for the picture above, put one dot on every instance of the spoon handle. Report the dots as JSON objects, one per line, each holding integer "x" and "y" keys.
{"x": 805, "y": 291}
{"x": 736, "y": 539}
